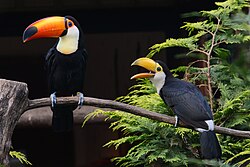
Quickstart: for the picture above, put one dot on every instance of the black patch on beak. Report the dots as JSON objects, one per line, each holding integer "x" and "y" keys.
{"x": 29, "y": 32}
{"x": 66, "y": 28}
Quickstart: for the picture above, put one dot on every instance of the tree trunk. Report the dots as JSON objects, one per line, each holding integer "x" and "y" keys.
{"x": 13, "y": 101}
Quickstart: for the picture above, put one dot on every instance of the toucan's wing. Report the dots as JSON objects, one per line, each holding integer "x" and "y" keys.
{"x": 50, "y": 67}
{"x": 187, "y": 102}
{"x": 84, "y": 60}
{"x": 77, "y": 82}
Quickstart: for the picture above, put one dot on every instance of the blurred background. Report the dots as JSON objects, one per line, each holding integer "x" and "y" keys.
{"x": 116, "y": 33}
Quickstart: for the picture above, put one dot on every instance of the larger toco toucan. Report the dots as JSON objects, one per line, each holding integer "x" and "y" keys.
{"x": 65, "y": 64}
{"x": 187, "y": 102}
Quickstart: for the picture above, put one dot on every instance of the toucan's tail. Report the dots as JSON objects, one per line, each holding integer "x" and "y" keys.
{"x": 210, "y": 147}
{"x": 62, "y": 120}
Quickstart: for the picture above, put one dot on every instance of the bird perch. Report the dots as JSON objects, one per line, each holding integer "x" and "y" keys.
{"x": 101, "y": 103}
{"x": 14, "y": 102}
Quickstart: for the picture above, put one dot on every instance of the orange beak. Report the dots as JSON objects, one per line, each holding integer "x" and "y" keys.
{"x": 52, "y": 27}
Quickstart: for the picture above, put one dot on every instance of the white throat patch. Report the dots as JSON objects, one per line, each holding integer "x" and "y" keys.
{"x": 69, "y": 43}
{"x": 158, "y": 80}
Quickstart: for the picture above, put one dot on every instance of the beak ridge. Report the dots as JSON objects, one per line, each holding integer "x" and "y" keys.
{"x": 146, "y": 63}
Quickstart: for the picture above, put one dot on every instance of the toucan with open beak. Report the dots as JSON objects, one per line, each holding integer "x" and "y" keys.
{"x": 186, "y": 101}
{"x": 65, "y": 64}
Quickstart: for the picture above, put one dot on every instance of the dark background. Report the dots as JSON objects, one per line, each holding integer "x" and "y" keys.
{"x": 116, "y": 33}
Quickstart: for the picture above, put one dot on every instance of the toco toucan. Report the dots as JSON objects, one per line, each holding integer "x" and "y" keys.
{"x": 65, "y": 64}
{"x": 186, "y": 101}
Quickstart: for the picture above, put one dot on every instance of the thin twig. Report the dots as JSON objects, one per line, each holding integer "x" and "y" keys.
{"x": 197, "y": 73}
{"x": 202, "y": 85}
{"x": 198, "y": 50}
{"x": 218, "y": 43}
{"x": 213, "y": 37}
{"x": 209, "y": 80}
{"x": 216, "y": 91}
{"x": 190, "y": 64}
{"x": 206, "y": 30}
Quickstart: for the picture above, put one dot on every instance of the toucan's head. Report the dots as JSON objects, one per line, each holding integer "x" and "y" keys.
{"x": 67, "y": 29}
{"x": 158, "y": 71}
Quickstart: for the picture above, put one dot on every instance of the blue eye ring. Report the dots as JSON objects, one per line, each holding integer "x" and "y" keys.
{"x": 70, "y": 24}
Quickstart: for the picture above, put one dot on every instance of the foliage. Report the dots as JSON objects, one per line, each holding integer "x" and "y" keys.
{"x": 235, "y": 112}
{"x": 225, "y": 25}
{"x": 20, "y": 156}
{"x": 160, "y": 144}
{"x": 153, "y": 142}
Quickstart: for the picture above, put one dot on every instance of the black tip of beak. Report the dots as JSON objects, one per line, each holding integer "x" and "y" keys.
{"x": 29, "y": 32}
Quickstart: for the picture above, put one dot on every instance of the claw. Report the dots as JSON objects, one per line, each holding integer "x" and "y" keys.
{"x": 53, "y": 99}
{"x": 81, "y": 99}
{"x": 176, "y": 121}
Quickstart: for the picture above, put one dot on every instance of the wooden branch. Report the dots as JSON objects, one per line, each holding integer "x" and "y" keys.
{"x": 101, "y": 103}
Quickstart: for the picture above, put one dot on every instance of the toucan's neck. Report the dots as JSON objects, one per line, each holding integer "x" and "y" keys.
{"x": 158, "y": 80}
{"x": 68, "y": 44}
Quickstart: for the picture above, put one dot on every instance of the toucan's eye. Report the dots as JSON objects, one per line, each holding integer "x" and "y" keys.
{"x": 70, "y": 24}
{"x": 158, "y": 69}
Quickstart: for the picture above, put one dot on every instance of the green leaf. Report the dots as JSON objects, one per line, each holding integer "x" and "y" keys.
{"x": 239, "y": 154}
{"x": 181, "y": 42}
{"x": 222, "y": 53}
{"x": 20, "y": 156}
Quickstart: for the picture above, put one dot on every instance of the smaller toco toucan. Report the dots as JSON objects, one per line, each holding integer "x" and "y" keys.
{"x": 65, "y": 64}
{"x": 186, "y": 101}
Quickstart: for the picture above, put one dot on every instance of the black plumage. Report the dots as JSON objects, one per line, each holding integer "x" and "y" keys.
{"x": 65, "y": 72}
{"x": 65, "y": 64}
{"x": 65, "y": 75}
{"x": 191, "y": 107}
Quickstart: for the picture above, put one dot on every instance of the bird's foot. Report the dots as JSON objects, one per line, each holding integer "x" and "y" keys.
{"x": 176, "y": 121}
{"x": 53, "y": 99}
{"x": 81, "y": 99}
